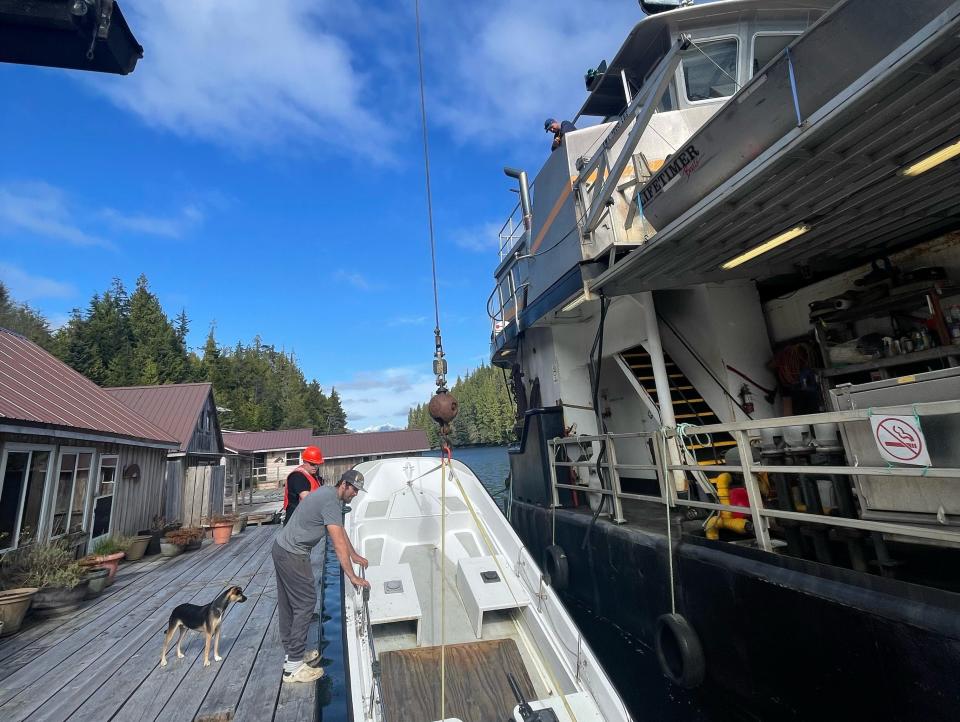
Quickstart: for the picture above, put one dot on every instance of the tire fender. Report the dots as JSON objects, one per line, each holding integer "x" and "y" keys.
{"x": 679, "y": 651}
{"x": 555, "y": 567}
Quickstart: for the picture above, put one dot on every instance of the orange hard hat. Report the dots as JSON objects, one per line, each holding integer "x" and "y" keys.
{"x": 313, "y": 455}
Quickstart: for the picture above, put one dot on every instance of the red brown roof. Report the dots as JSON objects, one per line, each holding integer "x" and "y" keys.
{"x": 37, "y": 389}
{"x": 175, "y": 408}
{"x": 267, "y": 440}
{"x": 333, "y": 446}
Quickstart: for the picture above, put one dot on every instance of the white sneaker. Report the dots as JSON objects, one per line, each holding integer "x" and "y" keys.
{"x": 304, "y": 673}
{"x": 308, "y": 656}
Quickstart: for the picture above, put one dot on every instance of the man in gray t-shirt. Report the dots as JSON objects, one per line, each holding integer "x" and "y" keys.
{"x": 318, "y": 515}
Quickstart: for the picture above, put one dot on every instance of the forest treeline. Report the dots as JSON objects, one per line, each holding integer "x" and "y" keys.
{"x": 126, "y": 339}
{"x": 486, "y": 411}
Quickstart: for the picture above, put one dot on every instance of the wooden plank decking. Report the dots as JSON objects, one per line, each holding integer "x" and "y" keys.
{"x": 102, "y": 663}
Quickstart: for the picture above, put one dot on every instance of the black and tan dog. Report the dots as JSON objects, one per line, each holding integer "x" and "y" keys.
{"x": 204, "y": 619}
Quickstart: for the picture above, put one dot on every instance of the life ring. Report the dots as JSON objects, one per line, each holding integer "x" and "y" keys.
{"x": 555, "y": 566}
{"x": 679, "y": 651}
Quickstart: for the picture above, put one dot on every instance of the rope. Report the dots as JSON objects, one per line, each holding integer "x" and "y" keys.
{"x": 426, "y": 166}
{"x": 715, "y": 63}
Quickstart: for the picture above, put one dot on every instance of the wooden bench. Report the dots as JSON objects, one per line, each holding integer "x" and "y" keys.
{"x": 393, "y": 596}
{"x": 482, "y": 588}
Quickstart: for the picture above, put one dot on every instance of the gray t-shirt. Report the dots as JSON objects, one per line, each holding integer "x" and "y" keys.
{"x": 307, "y": 527}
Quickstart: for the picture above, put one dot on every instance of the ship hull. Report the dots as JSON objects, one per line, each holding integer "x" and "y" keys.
{"x": 783, "y": 638}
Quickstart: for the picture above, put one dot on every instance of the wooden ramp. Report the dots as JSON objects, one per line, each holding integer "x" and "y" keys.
{"x": 101, "y": 663}
{"x": 476, "y": 682}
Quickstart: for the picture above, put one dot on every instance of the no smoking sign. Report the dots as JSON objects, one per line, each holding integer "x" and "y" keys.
{"x": 900, "y": 440}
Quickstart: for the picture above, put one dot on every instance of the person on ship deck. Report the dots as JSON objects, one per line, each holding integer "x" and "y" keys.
{"x": 559, "y": 129}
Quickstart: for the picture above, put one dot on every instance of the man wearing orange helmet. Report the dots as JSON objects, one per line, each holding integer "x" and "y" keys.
{"x": 302, "y": 480}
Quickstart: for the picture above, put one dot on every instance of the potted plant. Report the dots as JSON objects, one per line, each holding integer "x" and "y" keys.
{"x": 173, "y": 543}
{"x": 14, "y": 604}
{"x": 108, "y": 553}
{"x": 96, "y": 580}
{"x": 193, "y": 536}
{"x": 222, "y": 527}
{"x": 60, "y": 579}
{"x": 137, "y": 547}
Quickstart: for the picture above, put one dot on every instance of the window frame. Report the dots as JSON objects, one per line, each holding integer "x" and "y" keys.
{"x": 286, "y": 458}
{"x": 767, "y": 34}
{"x": 681, "y": 71}
{"x": 95, "y": 488}
{"x": 26, "y": 448}
{"x": 94, "y": 464}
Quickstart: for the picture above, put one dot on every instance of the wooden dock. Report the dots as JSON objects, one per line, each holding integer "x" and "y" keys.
{"x": 102, "y": 663}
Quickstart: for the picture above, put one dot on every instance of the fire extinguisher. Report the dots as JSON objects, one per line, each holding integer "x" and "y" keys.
{"x": 746, "y": 399}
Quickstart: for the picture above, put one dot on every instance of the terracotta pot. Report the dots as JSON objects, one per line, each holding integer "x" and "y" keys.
{"x": 14, "y": 604}
{"x": 97, "y": 581}
{"x": 54, "y": 601}
{"x": 137, "y": 548}
{"x": 222, "y": 531}
{"x": 110, "y": 562}
{"x": 170, "y": 550}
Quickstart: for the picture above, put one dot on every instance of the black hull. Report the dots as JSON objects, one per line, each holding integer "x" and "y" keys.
{"x": 783, "y": 638}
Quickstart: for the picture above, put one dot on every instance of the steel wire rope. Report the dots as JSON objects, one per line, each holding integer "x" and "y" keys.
{"x": 715, "y": 63}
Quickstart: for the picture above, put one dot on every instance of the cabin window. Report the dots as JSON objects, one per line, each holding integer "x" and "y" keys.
{"x": 766, "y": 46}
{"x": 205, "y": 420}
{"x": 71, "y": 492}
{"x": 710, "y": 69}
{"x": 23, "y": 475}
{"x": 259, "y": 467}
{"x": 293, "y": 458}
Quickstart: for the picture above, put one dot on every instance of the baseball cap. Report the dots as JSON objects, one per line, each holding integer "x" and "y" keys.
{"x": 548, "y": 122}
{"x": 354, "y": 478}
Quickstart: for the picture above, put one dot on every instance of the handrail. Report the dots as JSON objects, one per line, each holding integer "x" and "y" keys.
{"x": 750, "y": 469}
{"x": 374, "y": 660}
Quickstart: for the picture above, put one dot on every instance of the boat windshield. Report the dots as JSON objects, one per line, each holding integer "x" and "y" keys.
{"x": 710, "y": 69}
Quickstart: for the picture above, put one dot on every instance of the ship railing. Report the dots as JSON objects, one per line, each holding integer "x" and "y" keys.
{"x": 511, "y": 231}
{"x": 749, "y": 470}
{"x": 505, "y": 303}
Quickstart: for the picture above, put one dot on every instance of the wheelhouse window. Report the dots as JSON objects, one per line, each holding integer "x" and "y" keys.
{"x": 24, "y": 474}
{"x": 71, "y": 492}
{"x": 710, "y": 69}
{"x": 767, "y": 46}
{"x": 293, "y": 458}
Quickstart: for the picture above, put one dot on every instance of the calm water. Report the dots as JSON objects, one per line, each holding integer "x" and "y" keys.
{"x": 490, "y": 464}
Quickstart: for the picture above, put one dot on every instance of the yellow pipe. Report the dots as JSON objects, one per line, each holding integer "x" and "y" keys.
{"x": 725, "y": 520}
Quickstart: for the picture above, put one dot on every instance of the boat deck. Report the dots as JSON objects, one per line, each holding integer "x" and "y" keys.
{"x": 102, "y": 663}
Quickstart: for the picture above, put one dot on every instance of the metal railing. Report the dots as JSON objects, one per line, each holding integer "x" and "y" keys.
{"x": 749, "y": 470}
{"x": 511, "y": 231}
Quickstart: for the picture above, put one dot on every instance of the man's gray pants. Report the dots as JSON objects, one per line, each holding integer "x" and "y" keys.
{"x": 296, "y": 599}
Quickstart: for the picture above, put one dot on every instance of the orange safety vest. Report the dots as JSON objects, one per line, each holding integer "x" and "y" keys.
{"x": 314, "y": 484}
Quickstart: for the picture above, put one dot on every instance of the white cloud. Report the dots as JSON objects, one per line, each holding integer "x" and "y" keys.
{"x": 503, "y": 67}
{"x": 407, "y": 321}
{"x": 42, "y": 210}
{"x": 384, "y": 396}
{"x": 25, "y": 287}
{"x": 484, "y": 238}
{"x": 243, "y": 74}
{"x": 174, "y": 226}
{"x": 356, "y": 280}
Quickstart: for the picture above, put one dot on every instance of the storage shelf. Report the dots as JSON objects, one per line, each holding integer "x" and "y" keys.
{"x": 930, "y": 354}
{"x": 911, "y": 300}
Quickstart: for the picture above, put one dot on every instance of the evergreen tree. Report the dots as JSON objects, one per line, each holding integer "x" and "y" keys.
{"x": 22, "y": 319}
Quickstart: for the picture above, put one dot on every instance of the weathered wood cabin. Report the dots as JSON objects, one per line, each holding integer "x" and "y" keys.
{"x": 194, "y": 488}
{"x": 75, "y": 463}
{"x": 274, "y": 454}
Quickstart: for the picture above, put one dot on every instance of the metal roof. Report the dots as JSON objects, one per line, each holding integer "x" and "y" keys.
{"x": 333, "y": 446}
{"x": 267, "y": 440}
{"x": 37, "y": 389}
{"x": 650, "y": 40}
{"x": 175, "y": 408}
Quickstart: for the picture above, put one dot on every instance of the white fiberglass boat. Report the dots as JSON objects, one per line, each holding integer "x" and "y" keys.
{"x": 459, "y": 622}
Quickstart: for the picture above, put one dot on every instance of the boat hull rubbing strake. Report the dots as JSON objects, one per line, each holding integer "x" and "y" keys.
{"x": 458, "y": 609}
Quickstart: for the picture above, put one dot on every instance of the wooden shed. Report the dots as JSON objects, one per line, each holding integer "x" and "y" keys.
{"x": 194, "y": 489}
{"x": 75, "y": 464}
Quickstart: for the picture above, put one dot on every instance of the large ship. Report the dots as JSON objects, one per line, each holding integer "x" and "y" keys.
{"x": 726, "y": 308}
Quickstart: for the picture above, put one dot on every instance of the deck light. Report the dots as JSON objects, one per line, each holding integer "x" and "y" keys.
{"x": 574, "y": 303}
{"x": 932, "y": 160}
{"x": 766, "y": 246}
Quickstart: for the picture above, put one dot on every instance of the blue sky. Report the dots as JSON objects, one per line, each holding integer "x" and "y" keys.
{"x": 264, "y": 170}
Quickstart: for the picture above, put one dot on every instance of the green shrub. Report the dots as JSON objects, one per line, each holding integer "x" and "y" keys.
{"x": 111, "y": 545}
{"x": 46, "y": 565}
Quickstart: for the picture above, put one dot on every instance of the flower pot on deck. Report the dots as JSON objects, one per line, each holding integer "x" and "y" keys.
{"x": 110, "y": 562}
{"x": 240, "y": 524}
{"x": 137, "y": 548}
{"x": 170, "y": 550}
{"x": 54, "y": 601}
{"x": 14, "y": 604}
{"x": 222, "y": 531}
{"x": 97, "y": 581}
